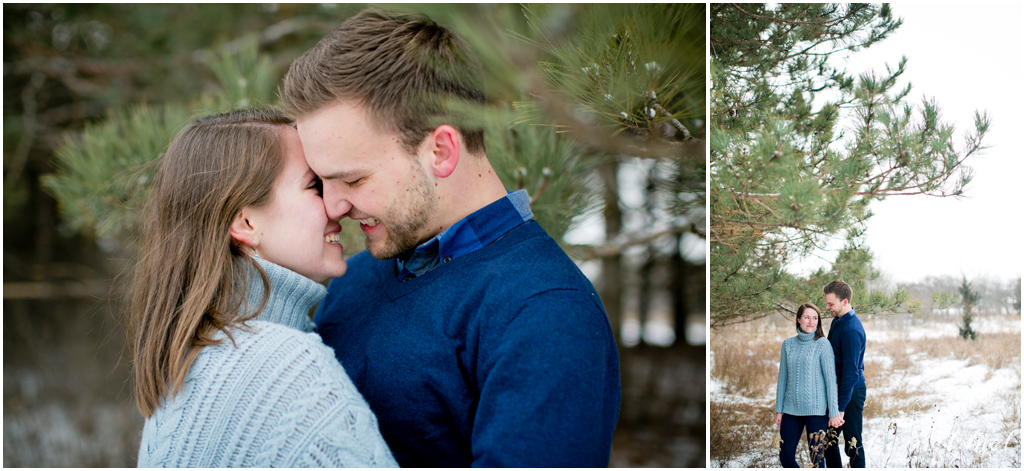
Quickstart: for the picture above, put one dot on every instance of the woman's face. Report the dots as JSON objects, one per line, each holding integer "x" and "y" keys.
{"x": 809, "y": 320}
{"x": 293, "y": 230}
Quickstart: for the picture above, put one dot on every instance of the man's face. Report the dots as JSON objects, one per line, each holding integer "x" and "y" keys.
{"x": 368, "y": 176}
{"x": 834, "y": 305}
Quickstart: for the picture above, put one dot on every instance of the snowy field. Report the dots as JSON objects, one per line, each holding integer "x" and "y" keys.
{"x": 933, "y": 399}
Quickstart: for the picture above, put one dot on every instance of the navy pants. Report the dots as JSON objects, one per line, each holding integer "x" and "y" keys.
{"x": 852, "y": 431}
{"x": 791, "y": 428}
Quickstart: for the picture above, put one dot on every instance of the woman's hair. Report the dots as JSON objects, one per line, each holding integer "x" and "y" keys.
{"x": 189, "y": 277}
{"x": 819, "y": 333}
{"x": 402, "y": 68}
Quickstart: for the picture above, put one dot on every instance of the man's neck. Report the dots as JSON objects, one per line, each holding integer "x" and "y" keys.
{"x": 470, "y": 188}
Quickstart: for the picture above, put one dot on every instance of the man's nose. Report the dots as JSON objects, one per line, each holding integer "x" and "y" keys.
{"x": 335, "y": 201}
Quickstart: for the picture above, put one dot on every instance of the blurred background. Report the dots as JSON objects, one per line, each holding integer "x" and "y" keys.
{"x": 597, "y": 110}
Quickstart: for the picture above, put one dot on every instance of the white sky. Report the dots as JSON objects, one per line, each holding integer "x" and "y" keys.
{"x": 966, "y": 58}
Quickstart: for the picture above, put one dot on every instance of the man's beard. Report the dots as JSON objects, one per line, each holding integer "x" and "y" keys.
{"x": 405, "y": 221}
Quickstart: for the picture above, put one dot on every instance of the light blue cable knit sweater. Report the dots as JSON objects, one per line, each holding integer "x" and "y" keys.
{"x": 276, "y": 397}
{"x": 807, "y": 377}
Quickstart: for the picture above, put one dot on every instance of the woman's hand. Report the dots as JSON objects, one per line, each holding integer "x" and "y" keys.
{"x": 836, "y": 422}
{"x": 778, "y": 418}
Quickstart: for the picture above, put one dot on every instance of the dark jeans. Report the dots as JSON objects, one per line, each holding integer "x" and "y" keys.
{"x": 852, "y": 430}
{"x": 791, "y": 428}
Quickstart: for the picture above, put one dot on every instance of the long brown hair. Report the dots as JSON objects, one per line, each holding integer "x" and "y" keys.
{"x": 188, "y": 274}
{"x": 819, "y": 332}
{"x": 403, "y": 68}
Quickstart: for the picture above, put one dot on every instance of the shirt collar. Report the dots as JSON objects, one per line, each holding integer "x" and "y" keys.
{"x": 844, "y": 317}
{"x": 468, "y": 235}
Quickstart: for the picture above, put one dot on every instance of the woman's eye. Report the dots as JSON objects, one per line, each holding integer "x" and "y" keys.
{"x": 318, "y": 185}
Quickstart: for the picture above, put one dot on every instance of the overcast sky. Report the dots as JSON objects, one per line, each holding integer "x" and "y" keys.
{"x": 966, "y": 58}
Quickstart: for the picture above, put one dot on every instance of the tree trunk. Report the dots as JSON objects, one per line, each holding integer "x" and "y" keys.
{"x": 611, "y": 265}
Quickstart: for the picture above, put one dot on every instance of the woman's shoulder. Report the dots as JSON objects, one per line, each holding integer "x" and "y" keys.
{"x": 286, "y": 338}
{"x": 270, "y": 343}
{"x": 823, "y": 343}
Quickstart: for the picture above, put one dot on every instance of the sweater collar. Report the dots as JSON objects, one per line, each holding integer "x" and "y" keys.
{"x": 291, "y": 296}
{"x": 805, "y": 336}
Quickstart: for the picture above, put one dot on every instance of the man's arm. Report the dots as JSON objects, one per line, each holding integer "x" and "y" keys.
{"x": 851, "y": 346}
{"x": 548, "y": 379}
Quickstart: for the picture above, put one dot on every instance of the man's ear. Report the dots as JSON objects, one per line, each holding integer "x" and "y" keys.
{"x": 445, "y": 150}
{"x": 242, "y": 231}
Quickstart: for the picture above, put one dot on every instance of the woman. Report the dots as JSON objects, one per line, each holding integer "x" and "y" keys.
{"x": 806, "y": 388}
{"x": 234, "y": 244}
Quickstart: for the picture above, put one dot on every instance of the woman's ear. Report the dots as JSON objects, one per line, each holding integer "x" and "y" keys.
{"x": 445, "y": 150}
{"x": 242, "y": 231}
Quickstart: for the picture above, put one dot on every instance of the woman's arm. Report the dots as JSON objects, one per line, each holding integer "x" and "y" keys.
{"x": 780, "y": 388}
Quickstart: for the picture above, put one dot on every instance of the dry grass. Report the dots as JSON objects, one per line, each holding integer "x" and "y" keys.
{"x": 748, "y": 364}
{"x": 891, "y": 393}
{"x": 743, "y": 430}
{"x": 890, "y": 401}
{"x": 995, "y": 350}
{"x": 1011, "y": 418}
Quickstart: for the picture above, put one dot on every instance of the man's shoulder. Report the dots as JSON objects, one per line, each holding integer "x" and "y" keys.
{"x": 534, "y": 252}
{"x": 855, "y": 325}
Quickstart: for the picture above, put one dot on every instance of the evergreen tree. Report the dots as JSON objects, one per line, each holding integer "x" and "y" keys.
{"x": 799, "y": 148}
{"x": 574, "y": 91}
{"x": 1015, "y": 296}
{"x": 969, "y": 297}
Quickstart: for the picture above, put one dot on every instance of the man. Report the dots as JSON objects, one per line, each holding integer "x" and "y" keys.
{"x": 848, "y": 340}
{"x": 473, "y": 337}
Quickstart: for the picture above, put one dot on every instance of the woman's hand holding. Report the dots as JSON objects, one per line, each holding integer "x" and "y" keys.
{"x": 835, "y": 422}
{"x": 778, "y": 418}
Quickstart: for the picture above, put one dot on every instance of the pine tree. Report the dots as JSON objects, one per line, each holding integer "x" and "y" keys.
{"x": 575, "y": 91}
{"x": 800, "y": 148}
{"x": 1016, "y": 297}
{"x": 969, "y": 297}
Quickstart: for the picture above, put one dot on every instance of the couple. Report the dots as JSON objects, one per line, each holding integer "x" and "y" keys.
{"x": 464, "y": 337}
{"x": 813, "y": 380}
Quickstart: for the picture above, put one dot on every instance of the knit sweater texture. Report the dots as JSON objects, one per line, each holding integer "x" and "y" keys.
{"x": 275, "y": 396}
{"x": 807, "y": 377}
{"x": 502, "y": 357}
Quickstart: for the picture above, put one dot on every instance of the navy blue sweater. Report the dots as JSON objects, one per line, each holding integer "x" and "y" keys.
{"x": 846, "y": 334}
{"x": 502, "y": 357}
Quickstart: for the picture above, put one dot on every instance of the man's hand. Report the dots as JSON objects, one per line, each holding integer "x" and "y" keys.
{"x": 836, "y": 422}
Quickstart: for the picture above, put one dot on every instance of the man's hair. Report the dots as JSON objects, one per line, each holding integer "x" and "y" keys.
{"x": 404, "y": 69}
{"x": 840, "y": 289}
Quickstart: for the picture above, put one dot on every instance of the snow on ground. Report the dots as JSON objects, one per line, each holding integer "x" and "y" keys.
{"x": 966, "y": 414}
{"x": 930, "y": 328}
{"x": 963, "y": 428}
